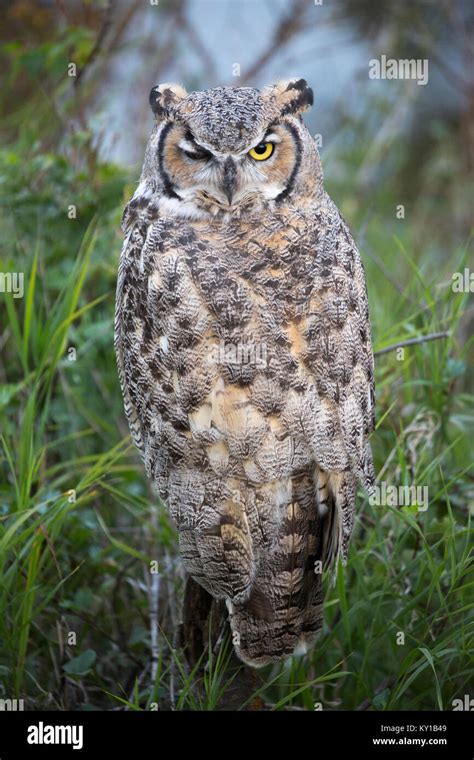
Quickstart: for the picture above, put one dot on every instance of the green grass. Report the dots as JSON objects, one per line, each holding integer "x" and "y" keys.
{"x": 80, "y": 525}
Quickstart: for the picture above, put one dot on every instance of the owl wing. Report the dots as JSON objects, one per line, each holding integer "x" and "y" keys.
{"x": 126, "y": 324}
{"x": 338, "y": 352}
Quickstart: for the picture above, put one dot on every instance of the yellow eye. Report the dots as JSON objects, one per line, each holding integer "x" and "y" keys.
{"x": 262, "y": 152}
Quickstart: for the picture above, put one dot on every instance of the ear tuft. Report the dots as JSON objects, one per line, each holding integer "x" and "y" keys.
{"x": 164, "y": 98}
{"x": 291, "y": 96}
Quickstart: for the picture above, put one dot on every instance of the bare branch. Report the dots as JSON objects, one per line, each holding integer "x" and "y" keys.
{"x": 199, "y": 47}
{"x": 289, "y": 25}
{"x": 412, "y": 342}
{"x": 104, "y": 28}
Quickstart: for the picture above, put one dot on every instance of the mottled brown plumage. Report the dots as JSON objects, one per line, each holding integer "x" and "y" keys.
{"x": 244, "y": 353}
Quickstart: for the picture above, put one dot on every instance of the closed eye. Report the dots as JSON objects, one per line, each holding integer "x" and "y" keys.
{"x": 192, "y": 150}
{"x": 198, "y": 154}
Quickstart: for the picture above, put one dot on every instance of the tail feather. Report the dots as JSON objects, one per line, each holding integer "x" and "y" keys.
{"x": 283, "y": 613}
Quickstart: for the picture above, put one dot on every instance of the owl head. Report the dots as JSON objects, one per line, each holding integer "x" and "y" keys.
{"x": 230, "y": 150}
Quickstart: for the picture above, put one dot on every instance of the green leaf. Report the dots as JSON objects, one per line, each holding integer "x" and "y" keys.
{"x": 8, "y": 392}
{"x": 81, "y": 664}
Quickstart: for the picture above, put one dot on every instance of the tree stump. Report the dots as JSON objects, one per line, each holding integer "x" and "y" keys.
{"x": 205, "y": 624}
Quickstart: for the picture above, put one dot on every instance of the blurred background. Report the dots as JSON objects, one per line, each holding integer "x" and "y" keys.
{"x": 84, "y": 622}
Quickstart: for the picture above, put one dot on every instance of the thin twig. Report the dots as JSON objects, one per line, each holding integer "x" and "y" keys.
{"x": 104, "y": 28}
{"x": 411, "y": 342}
{"x": 386, "y": 683}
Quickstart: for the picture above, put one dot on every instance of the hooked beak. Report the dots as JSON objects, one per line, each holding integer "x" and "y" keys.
{"x": 230, "y": 179}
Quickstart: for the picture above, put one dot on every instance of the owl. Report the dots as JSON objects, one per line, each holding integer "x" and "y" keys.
{"x": 244, "y": 352}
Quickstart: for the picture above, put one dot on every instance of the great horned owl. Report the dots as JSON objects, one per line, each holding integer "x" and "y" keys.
{"x": 244, "y": 353}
